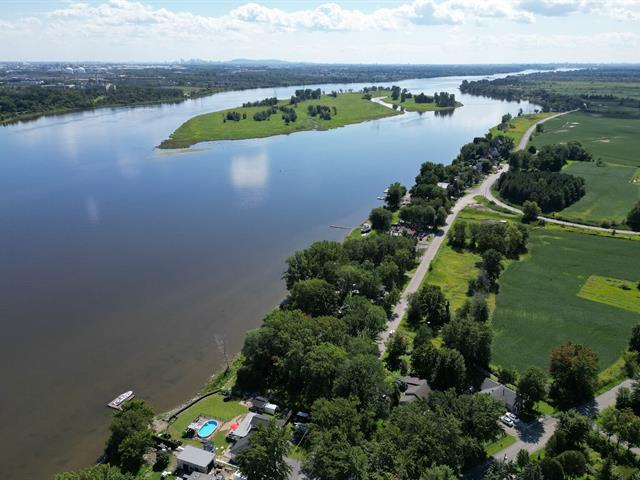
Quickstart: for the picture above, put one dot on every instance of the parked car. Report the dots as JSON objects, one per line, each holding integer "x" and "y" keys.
{"x": 507, "y": 421}
{"x": 514, "y": 418}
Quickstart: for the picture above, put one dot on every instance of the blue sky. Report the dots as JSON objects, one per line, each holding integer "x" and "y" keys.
{"x": 352, "y": 31}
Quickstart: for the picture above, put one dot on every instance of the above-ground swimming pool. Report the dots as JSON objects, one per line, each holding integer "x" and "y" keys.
{"x": 207, "y": 429}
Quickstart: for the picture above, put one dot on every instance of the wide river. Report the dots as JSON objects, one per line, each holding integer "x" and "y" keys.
{"x": 120, "y": 265}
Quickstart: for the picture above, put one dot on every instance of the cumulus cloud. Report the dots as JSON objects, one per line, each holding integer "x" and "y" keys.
{"x": 135, "y": 18}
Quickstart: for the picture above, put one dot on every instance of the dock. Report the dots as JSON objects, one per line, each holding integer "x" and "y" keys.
{"x": 117, "y": 402}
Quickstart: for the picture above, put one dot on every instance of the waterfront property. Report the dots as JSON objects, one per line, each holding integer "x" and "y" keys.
{"x": 193, "y": 459}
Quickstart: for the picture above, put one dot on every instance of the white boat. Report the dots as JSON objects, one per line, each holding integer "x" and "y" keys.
{"x": 120, "y": 399}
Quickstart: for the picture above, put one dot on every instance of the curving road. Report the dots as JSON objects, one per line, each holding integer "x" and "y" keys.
{"x": 521, "y": 146}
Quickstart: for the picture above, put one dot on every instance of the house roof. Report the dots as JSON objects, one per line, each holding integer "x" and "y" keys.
{"x": 259, "y": 402}
{"x": 417, "y": 388}
{"x": 239, "y": 446}
{"x": 196, "y": 456}
{"x": 503, "y": 394}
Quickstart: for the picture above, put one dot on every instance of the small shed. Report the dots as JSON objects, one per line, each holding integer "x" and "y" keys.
{"x": 193, "y": 459}
{"x": 258, "y": 403}
{"x": 270, "y": 408}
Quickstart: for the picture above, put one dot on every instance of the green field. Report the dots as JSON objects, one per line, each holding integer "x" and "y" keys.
{"x": 351, "y": 108}
{"x": 612, "y": 291}
{"x": 610, "y": 189}
{"x": 539, "y": 307}
{"x": 519, "y": 125}
{"x": 615, "y": 140}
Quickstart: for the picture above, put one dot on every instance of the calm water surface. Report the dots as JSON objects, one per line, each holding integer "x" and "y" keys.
{"x": 121, "y": 264}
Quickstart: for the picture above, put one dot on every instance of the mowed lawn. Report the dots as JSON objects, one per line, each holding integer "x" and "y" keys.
{"x": 538, "y": 307}
{"x": 213, "y": 406}
{"x": 350, "y": 107}
{"x": 610, "y": 190}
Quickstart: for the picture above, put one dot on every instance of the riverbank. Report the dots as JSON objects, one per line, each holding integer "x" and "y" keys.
{"x": 411, "y": 106}
{"x": 344, "y": 109}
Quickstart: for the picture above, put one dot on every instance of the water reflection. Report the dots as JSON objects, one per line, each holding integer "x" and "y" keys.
{"x": 250, "y": 171}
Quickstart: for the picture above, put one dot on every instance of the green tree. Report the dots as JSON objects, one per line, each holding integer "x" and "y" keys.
{"x": 429, "y": 305}
{"x": 532, "y": 387}
{"x": 316, "y": 261}
{"x": 362, "y": 377}
{"x": 397, "y": 346}
{"x": 314, "y": 297}
{"x": 449, "y": 370}
{"x": 441, "y": 217}
{"x": 551, "y": 469}
{"x": 492, "y": 265}
{"x": 162, "y": 461}
{"x": 98, "y": 472}
{"x": 530, "y": 211}
{"x": 438, "y": 472}
{"x": 380, "y": 219}
{"x": 395, "y": 192}
{"x": 423, "y": 216}
{"x": 130, "y": 435}
{"x": 634, "y": 341}
{"x": 332, "y": 457}
{"x": 264, "y": 459}
{"x": 633, "y": 217}
{"x": 606, "y": 471}
{"x": 458, "y": 235}
{"x": 531, "y": 471}
{"x": 320, "y": 368}
{"x": 573, "y": 463}
{"x": 574, "y": 369}
{"x": 523, "y": 458}
{"x": 472, "y": 339}
{"x": 363, "y": 317}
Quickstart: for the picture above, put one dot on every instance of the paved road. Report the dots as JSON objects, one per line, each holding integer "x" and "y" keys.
{"x": 521, "y": 146}
{"x": 533, "y": 436}
{"x": 429, "y": 254}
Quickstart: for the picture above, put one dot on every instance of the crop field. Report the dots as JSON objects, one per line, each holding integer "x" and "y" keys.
{"x": 350, "y": 107}
{"x": 612, "y": 291}
{"x": 611, "y": 192}
{"x": 612, "y": 189}
{"x": 615, "y": 140}
{"x": 541, "y": 304}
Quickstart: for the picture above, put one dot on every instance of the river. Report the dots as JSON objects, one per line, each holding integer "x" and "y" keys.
{"x": 121, "y": 265}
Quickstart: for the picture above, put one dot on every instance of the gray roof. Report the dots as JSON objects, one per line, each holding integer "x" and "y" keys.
{"x": 417, "y": 388}
{"x": 196, "y": 456}
{"x": 503, "y": 394}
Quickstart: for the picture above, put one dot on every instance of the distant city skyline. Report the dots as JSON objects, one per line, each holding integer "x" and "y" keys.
{"x": 348, "y": 31}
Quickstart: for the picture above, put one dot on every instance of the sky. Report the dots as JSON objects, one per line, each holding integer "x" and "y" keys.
{"x": 342, "y": 31}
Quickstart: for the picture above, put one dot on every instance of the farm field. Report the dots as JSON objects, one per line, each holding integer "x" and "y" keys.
{"x": 615, "y": 140}
{"x": 613, "y": 188}
{"x": 350, "y": 107}
{"x": 611, "y": 192}
{"x": 539, "y": 307}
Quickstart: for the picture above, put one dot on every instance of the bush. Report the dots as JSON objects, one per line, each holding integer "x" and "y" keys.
{"x": 162, "y": 461}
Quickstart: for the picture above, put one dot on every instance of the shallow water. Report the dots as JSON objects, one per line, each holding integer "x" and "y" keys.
{"x": 121, "y": 265}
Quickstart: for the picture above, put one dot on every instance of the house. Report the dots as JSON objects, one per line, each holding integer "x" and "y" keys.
{"x": 414, "y": 388}
{"x": 258, "y": 404}
{"x": 510, "y": 399}
{"x": 249, "y": 421}
{"x": 193, "y": 459}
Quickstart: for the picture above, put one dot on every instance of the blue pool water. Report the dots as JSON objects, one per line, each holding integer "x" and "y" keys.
{"x": 207, "y": 429}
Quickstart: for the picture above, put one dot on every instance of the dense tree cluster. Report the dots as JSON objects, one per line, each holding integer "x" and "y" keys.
{"x": 322, "y": 111}
{"x": 444, "y": 99}
{"x": 130, "y": 437}
{"x": 307, "y": 94}
{"x": 587, "y": 89}
{"x": 549, "y": 158}
{"x": 552, "y": 191}
{"x": 574, "y": 370}
{"x": 267, "y": 102}
{"x": 633, "y": 217}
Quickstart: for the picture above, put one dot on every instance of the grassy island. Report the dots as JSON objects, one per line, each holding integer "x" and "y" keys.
{"x": 412, "y": 102}
{"x": 307, "y": 110}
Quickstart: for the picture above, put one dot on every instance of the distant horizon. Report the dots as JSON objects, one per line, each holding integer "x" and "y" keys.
{"x": 260, "y": 61}
{"x": 340, "y": 32}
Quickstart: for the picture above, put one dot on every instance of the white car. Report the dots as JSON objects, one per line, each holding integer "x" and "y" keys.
{"x": 512, "y": 416}
{"x": 507, "y": 421}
